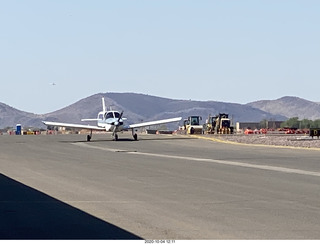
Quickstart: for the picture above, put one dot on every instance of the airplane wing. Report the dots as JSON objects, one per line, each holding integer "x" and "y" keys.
{"x": 156, "y": 122}
{"x": 79, "y": 126}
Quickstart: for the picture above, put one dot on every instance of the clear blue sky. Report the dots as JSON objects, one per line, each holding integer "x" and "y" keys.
{"x": 231, "y": 51}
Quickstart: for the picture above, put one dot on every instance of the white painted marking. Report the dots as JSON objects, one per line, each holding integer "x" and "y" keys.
{"x": 224, "y": 162}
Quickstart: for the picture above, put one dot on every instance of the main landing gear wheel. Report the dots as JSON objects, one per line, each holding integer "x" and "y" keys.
{"x": 135, "y": 137}
{"x": 88, "y": 137}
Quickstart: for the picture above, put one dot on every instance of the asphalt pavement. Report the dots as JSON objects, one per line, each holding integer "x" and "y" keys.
{"x": 159, "y": 187}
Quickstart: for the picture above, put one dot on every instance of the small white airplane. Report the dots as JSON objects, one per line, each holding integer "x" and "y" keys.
{"x": 111, "y": 121}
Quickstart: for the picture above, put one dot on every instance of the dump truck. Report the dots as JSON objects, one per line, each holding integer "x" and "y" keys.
{"x": 192, "y": 125}
{"x": 219, "y": 124}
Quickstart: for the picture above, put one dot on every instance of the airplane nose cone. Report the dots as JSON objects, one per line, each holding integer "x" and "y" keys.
{"x": 116, "y": 123}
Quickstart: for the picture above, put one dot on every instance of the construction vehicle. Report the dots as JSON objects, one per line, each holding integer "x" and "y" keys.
{"x": 192, "y": 125}
{"x": 219, "y": 124}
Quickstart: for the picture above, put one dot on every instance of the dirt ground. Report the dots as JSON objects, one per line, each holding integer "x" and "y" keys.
{"x": 278, "y": 140}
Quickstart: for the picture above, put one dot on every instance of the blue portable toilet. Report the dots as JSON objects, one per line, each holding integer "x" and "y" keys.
{"x": 18, "y": 129}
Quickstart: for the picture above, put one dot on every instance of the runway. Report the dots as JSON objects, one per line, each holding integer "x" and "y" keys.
{"x": 160, "y": 187}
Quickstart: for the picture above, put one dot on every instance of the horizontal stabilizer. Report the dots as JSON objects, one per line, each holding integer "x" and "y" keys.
{"x": 90, "y": 119}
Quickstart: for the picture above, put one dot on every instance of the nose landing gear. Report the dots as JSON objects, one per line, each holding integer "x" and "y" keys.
{"x": 115, "y": 137}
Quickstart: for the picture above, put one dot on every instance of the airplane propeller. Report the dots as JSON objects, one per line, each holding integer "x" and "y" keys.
{"x": 117, "y": 123}
{"x": 120, "y": 117}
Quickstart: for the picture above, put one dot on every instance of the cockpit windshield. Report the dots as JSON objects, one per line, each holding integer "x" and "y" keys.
{"x": 111, "y": 115}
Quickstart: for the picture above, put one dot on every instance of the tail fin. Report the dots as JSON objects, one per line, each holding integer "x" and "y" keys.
{"x": 103, "y": 105}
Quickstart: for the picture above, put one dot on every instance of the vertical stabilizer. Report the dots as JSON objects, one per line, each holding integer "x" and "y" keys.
{"x": 103, "y": 105}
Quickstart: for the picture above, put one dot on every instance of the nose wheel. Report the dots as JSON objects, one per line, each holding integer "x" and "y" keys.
{"x": 115, "y": 137}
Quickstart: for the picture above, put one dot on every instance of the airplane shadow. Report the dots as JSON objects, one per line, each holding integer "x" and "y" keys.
{"x": 26, "y": 214}
{"x": 99, "y": 140}
{"x": 167, "y": 139}
{"x": 132, "y": 140}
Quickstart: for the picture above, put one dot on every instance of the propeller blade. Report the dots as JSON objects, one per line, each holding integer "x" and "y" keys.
{"x": 120, "y": 116}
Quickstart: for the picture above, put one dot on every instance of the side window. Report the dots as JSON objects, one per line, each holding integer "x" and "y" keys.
{"x": 100, "y": 116}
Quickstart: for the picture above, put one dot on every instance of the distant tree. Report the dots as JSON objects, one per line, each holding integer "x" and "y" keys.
{"x": 301, "y": 124}
{"x": 316, "y": 123}
{"x": 291, "y": 123}
{"x": 306, "y": 124}
{"x": 264, "y": 124}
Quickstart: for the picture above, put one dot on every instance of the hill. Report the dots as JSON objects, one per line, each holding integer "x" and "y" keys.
{"x": 290, "y": 107}
{"x": 159, "y": 108}
{"x": 10, "y": 116}
{"x": 137, "y": 108}
{"x": 140, "y": 107}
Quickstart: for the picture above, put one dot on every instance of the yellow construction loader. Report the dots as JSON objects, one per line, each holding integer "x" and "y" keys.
{"x": 219, "y": 124}
{"x": 192, "y": 125}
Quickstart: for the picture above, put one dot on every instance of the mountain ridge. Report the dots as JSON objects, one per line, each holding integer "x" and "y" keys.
{"x": 141, "y": 107}
{"x": 290, "y": 106}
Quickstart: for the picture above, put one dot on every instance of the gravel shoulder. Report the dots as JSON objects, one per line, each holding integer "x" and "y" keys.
{"x": 303, "y": 141}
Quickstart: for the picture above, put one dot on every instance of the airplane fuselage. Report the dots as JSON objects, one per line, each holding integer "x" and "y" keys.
{"x": 111, "y": 121}
{"x": 111, "y": 125}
